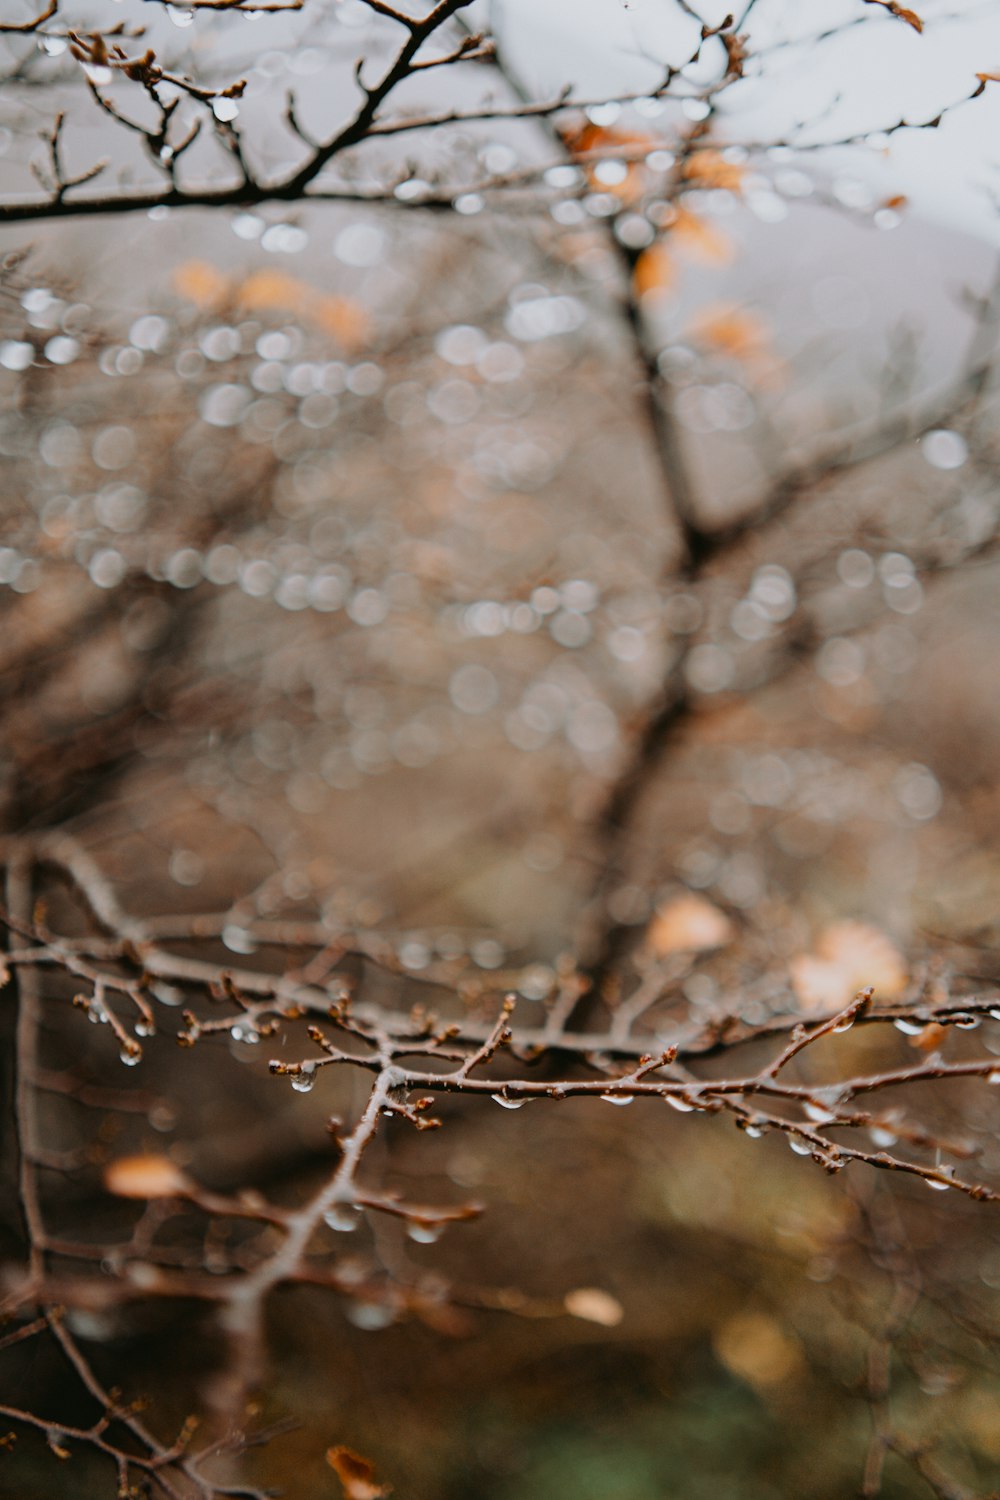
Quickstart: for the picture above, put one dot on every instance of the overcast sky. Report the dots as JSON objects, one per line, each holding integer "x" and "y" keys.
{"x": 883, "y": 70}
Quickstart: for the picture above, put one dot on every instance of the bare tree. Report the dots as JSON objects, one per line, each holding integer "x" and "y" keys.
{"x": 489, "y": 677}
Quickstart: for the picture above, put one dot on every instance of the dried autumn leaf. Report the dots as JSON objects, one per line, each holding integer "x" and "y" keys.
{"x": 356, "y": 1474}
{"x": 594, "y": 1306}
{"x": 689, "y": 924}
{"x": 654, "y": 272}
{"x": 848, "y": 956}
{"x": 148, "y": 1176}
{"x": 621, "y": 144}
{"x": 900, "y": 12}
{"x": 929, "y": 1037}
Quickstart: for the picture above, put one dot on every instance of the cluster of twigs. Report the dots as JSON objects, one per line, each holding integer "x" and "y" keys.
{"x": 609, "y": 1031}
{"x": 123, "y": 969}
{"x": 103, "y": 60}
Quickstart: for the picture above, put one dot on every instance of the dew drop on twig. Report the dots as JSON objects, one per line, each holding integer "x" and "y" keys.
{"x": 304, "y": 1080}
{"x": 423, "y": 1233}
{"x": 342, "y": 1218}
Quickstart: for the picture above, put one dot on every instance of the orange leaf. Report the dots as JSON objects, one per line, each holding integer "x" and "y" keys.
{"x": 200, "y": 283}
{"x": 272, "y": 291}
{"x": 900, "y": 12}
{"x": 988, "y": 77}
{"x": 654, "y": 271}
{"x": 356, "y": 1474}
{"x": 709, "y": 168}
{"x": 345, "y": 319}
{"x": 690, "y": 924}
{"x": 145, "y": 1177}
{"x": 848, "y": 956}
{"x": 733, "y": 331}
{"x": 276, "y": 291}
{"x": 930, "y": 1037}
{"x": 701, "y": 240}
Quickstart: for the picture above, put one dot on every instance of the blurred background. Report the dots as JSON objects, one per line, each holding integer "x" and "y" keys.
{"x": 342, "y": 577}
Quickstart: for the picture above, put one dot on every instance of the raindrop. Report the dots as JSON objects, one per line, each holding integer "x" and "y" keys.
{"x": 506, "y": 1103}
{"x": 130, "y": 1056}
{"x": 618, "y": 1098}
{"x": 799, "y": 1146}
{"x": 237, "y": 939}
{"x": 305, "y": 1079}
{"x": 16, "y": 354}
{"x": 144, "y": 1028}
{"x": 753, "y": 1131}
{"x": 678, "y": 1102}
{"x": 359, "y": 245}
{"x": 149, "y": 333}
{"x": 370, "y": 1316}
{"x": 244, "y": 1031}
{"x": 423, "y": 1233}
{"x": 909, "y": 1028}
{"x": 285, "y": 239}
{"x": 944, "y": 450}
{"x": 62, "y": 350}
{"x": 342, "y": 1218}
{"x": 939, "y": 1187}
{"x": 845, "y": 1024}
{"x": 107, "y": 568}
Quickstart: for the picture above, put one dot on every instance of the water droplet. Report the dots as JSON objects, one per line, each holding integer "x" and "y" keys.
{"x": 423, "y": 1233}
{"x": 754, "y": 1131}
{"x": 506, "y": 1103}
{"x": 845, "y": 1024}
{"x": 799, "y": 1146}
{"x": 939, "y": 1187}
{"x": 618, "y": 1098}
{"x": 342, "y": 1218}
{"x": 995, "y": 1015}
{"x": 144, "y": 1028}
{"x": 244, "y": 1031}
{"x": 817, "y": 1114}
{"x": 131, "y": 1055}
{"x": 237, "y": 939}
{"x": 965, "y": 1021}
{"x": 993, "y": 1077}
{"x": 304, "y": 1080}
{"x": 678, "y": 1102}
{"x": 909, "y": 1028}
{"x": 881, "y": 1138}
{"x": 370, "y": 1315}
